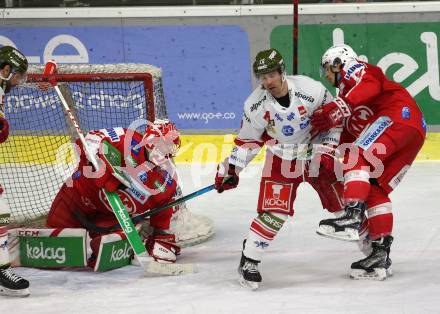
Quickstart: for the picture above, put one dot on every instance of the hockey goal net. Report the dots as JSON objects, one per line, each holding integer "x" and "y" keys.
{"x": 37, "y": 157}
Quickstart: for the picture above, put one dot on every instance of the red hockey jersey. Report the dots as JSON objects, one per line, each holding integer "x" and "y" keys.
{"x": 370, "y": 94}
{"x": 159, "y": 183}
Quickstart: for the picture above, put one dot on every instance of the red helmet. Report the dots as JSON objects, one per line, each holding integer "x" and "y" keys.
{"x": 163, "y": 136}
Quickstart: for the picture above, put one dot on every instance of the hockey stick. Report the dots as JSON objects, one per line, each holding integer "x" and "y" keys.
{"x": 115, "y": 202}
{"x": 138, "y": 218}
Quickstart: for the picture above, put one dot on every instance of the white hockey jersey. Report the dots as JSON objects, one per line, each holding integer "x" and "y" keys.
{"x": 286, "y": 131}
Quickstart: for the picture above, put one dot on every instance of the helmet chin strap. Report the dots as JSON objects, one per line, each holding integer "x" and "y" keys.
{"x": 336, "y": 78}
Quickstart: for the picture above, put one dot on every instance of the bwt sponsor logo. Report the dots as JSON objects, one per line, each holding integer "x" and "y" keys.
{"x": 207, "y": 116}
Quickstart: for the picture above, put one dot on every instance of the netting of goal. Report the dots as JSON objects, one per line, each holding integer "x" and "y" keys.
{"x": 37, "y": 157}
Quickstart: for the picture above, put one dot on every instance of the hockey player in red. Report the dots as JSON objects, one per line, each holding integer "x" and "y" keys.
{"x": 13, "y": 67}
{"x": 83, "y": 196}
{"x": 387, "y": 129}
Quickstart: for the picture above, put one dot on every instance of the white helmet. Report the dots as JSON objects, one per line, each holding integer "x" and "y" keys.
{"x": 338, "y": 54}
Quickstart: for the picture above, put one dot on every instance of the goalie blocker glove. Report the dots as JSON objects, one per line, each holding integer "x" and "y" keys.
{"x": 12, "y": 284}
{"x": 162, "y": 247}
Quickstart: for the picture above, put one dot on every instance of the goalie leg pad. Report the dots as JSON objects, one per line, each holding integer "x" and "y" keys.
{"x": 110, "y": 251}
{"x": 48, "y": 248}
{"x": 162, "y": 247}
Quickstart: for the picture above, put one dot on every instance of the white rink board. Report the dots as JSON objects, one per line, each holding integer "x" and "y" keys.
{"x": 302, "y": 272}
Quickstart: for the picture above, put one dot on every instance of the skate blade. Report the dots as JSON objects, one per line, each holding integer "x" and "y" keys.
{"x": 351, "y": 235}
{"x": 378, "y": 274}
{"x": 22, "y": 293}
{"x": 252, "y": 285}
{"x": 174, "y": 269}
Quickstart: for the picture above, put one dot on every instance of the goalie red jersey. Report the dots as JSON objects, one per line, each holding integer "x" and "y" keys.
{"x": 82, "y": 196}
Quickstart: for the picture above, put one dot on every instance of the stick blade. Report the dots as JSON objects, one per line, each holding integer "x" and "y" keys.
{"x": 174, "y": 269}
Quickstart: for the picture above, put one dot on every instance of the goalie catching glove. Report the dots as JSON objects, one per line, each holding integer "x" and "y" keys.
{"x": 226, "y": 177}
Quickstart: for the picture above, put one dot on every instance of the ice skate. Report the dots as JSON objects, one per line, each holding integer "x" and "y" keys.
{"x": 11, "y": 284}
{"x": 377, "y": 265}
{"x": 249, "y": 275}
{"x": 347, "y": 226}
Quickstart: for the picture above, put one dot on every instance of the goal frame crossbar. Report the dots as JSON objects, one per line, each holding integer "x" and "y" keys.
{"x": 146, "y": 78}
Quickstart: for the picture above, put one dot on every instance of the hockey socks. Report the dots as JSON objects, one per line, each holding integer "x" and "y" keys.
{"x": 262, "y": 231}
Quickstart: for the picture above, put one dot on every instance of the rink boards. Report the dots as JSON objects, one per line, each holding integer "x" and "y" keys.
{"x": 194, "y": 149}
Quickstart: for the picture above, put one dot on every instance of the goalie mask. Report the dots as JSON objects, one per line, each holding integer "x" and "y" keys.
{"x": 162, "y": 140}
{"x": 18, "y": 64}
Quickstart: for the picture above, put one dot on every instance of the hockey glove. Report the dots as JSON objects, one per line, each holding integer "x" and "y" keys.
{"x": 226, "y": 177}
{"x": 330, "y": 115}
{"x": 162, "y": 247}
{"x": 4, "y": 129}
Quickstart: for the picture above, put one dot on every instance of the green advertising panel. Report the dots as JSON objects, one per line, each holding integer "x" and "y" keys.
{"x": 407, "y": 52}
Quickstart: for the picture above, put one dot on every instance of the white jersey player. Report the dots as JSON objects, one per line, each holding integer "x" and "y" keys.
{"x": 277, "y": 114}
{"x": 13, "y": 67}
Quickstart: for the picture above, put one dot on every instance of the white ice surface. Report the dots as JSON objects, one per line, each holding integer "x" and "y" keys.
{"x": 302, "y": 272}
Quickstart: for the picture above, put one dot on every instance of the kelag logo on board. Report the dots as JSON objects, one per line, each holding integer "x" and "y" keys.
{"x": 406, "y": 52}
{"x": 206, "y": 73}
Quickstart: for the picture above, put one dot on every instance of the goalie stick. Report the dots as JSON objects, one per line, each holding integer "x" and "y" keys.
{"x": 115, "y": 202}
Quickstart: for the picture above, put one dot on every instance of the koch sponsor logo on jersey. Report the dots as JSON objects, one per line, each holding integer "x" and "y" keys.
{"x": 290, "y": 116}
{"x": 257, "y": 104}
{"x": 288, "y": 130}
{"x": 353, "y": 69}
{"x": 373, "y": 132}
{"x": 277, "y": 196}
{"x": 137, "y": 195}
{"x": 304, "y": 124}
{"x": 278, "y": 117}
{"x": 114, "y": 137}
{"x": 304, "y": 97}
